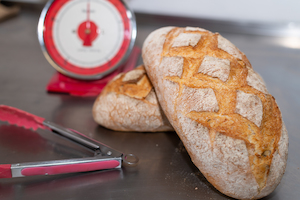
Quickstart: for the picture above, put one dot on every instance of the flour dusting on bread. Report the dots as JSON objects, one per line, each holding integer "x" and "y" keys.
{"x": 186, "y": 39}
{"x": 194, "y": 99}
{"x": 196, "y": 29}
{"x": 173, "y": 66}
{"x": 249, "y": 106}
{"x": 255, "y": 81}
{"x": 215, "y": 67}
{"x": 134, "y": 75}
{"x": 227, "y": 46}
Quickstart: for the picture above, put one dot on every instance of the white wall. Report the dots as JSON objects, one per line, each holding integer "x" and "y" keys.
{"x": 236, "y": 10}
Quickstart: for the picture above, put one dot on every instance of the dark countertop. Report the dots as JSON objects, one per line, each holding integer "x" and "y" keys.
{"x": 165, "y": 170}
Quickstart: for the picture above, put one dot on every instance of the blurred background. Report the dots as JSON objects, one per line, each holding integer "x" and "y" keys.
{"x": 268, "y": 17}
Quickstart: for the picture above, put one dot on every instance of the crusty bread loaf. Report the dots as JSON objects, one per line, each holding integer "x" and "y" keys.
{"x": 128, "y": 103}
{"x": 219, "y": 106}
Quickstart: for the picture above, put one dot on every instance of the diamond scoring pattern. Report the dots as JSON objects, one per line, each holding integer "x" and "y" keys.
{"x": 226, "y": 121}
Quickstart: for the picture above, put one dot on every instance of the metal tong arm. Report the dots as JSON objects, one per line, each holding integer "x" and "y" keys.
{"x": 83, "y": 140}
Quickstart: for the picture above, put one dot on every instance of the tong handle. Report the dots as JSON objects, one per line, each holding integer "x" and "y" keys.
{"x": 58, "y": 166}
{"x": 69, "y": 168}
{"x": 5, "y": 171}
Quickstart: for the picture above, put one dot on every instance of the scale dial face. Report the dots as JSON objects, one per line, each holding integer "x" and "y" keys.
{"x": 86, "y": 39}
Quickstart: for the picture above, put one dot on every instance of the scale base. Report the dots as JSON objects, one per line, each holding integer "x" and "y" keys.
{"x": 60, "y": 83}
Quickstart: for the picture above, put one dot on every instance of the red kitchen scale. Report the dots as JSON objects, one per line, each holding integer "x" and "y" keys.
{"x": 88, "y": 42}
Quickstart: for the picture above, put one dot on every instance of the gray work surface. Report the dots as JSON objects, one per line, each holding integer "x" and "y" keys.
{"x": 165, "y": 170}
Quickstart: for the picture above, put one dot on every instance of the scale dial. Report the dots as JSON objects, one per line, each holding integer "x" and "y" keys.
{"x": 86, "y": 39}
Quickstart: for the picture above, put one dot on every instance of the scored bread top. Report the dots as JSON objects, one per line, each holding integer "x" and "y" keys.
{"x": 216, "y": 87}
{"x": 134, "y": 84}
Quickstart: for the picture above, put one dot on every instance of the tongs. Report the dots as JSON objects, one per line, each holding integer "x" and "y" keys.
{"x": 104, "y": 157}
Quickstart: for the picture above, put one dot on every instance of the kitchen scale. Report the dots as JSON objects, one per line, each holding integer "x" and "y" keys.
{"x": 87, "y": 42}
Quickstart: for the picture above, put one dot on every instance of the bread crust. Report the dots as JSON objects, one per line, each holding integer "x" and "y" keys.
{"x": 129, "y": 103}
{"x": 234, "y": 133}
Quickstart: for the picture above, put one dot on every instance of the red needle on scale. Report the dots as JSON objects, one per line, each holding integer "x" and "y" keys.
{"x": 87, "y": 40}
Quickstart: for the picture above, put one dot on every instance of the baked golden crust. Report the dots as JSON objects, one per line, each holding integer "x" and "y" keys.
{"x": 201, "y": 76}
{"x": 128, "y": 103}
{"x": 134, "y": 84}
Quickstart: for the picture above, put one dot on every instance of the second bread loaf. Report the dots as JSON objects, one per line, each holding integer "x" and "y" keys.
{"x": 129, "y": 103}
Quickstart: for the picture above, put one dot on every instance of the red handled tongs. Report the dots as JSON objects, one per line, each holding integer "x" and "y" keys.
{"x": 105, "y": 157}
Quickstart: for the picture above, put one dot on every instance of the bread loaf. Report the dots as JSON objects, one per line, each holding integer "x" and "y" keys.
{"x": 128, "y": 103}
{"x": 219, "y": 106}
